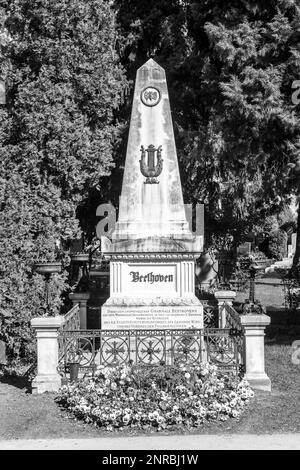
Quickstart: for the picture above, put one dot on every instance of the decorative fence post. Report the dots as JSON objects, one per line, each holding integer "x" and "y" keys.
{"x": 224, "y": 297}
{"x": 254, "y": 331}
{"x": 81, "y": 298}
{"x": 47, "y": 378}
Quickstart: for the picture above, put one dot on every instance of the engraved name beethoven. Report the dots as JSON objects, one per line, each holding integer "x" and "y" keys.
{"x": 150, "y": 277}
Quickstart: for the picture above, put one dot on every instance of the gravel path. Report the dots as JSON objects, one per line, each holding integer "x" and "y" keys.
{"x": 174, "y": 443}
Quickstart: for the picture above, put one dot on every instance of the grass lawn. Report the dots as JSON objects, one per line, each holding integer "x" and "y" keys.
{"x": 269, "y": 291}
{"x": 27, "y": 416}
{"x": 37, "y": 416}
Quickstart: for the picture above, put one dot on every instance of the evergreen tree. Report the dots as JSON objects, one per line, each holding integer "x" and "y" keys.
{"x": 230, "y": 66}
{"x": 64, "y": 83}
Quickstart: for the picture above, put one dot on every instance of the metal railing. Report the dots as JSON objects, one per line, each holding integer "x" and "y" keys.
{"x": 72, "y": 319}
{"x": 90, "y": 348}
{"x": 210, "y": 314}
{"x": 232, "y": 317}
{"x": 233, "y": 321}
{"x": 71, "y": 323}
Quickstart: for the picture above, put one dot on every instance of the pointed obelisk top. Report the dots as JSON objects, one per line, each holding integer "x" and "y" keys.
{"x": 151, "y": 212}
{"x": 151, "y": 64}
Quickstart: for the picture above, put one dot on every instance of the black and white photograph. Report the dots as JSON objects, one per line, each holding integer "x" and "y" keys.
{"x": 149, "y": 228}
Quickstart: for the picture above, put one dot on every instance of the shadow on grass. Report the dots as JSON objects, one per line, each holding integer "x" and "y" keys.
{"x": 16, "y": 381}
{"x": 284, "y": 327}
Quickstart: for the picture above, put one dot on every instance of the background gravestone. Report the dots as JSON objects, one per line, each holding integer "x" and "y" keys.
{"x": 3, "y": 359}
{"x": 2, "y": 92}
{"x": 294, "y": 241}
{"x": 244, "y": 249}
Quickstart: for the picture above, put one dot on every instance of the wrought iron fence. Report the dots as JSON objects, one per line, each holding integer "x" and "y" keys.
{"x": 90, "y": 348}
{"x": 210, "y": 314}
{"x": 71, "y": 323}
{"x": 72, "y": 319}
{"x": 233, "y": 320}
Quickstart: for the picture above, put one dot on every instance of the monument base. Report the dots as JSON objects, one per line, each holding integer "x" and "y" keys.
{"x": 259, "y": 381}
{"x": 149, "y": 317}
{"x": 46, "y": 383}
{"x": 152, "y": 291}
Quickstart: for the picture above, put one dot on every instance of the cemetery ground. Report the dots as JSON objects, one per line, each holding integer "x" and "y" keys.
{"x": 27, "y": 416}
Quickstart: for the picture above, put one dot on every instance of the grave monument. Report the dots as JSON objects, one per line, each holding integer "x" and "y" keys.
{"x": 152, "y": 251}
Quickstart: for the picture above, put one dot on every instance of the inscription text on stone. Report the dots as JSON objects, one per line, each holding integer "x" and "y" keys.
{"x": 150, "y": 277}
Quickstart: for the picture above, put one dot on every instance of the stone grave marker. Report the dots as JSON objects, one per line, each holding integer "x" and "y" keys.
{"x": 2, "y": 92}
{"x": 3, "y": 359}
{"x": 244, "y": 249}
{"x": 294, "y": 241}
{"x": 152, "y": 250}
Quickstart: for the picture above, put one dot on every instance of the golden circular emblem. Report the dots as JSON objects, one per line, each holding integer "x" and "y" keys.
{"x": 150, "y": 96}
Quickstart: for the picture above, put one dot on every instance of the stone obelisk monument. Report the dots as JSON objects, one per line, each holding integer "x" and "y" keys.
{"x": 152, "y": 251}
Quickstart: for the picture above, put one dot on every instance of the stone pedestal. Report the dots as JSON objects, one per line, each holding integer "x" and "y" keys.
{"x": 81, "y": 298}
{"x": 223, "y": 297}
{"x": 48, "y": 378}
{"x": 3, "y": 359}
{"x": 152, "y": 250}
{"x": 254, "y": 330}
{"x": 150, "y": 317}
{"x": 152, "y": 291}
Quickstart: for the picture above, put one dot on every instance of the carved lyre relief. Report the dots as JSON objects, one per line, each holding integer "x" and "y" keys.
{"x": 151, "y": 169}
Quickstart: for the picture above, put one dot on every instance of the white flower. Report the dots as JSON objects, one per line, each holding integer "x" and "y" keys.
{"x": 113, "y": 386}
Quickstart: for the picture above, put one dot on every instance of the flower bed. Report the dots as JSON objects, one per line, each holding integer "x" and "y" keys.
{"x": 157, "y": 397}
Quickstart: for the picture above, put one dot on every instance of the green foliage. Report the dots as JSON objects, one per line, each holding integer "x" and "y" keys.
{"x": 64, "y": 84}
{"x": 287, "y": 219}
{"x": 292, "y": 288}
{"x": 231, "y": 65}
{"x": 277, "y": 244}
